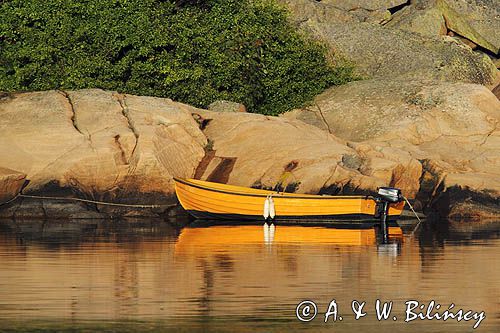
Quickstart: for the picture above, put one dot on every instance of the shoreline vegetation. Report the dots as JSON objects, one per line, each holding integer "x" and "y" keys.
{"x": 368, "y": 93}
{"x": 195, "y": 52}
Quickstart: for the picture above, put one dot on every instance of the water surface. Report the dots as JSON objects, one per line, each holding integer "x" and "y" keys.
{"x": 152, "y": 276}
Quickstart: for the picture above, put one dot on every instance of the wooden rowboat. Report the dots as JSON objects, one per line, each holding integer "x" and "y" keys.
{"x": 208, "y": 200}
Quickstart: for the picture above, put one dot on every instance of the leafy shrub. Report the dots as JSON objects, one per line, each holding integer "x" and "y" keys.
{"x": 192, "y": 51}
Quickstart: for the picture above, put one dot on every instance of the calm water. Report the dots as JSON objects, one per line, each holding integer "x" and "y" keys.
{"x": 151, "y": 276}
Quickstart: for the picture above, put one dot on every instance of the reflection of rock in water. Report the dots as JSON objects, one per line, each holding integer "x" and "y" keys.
{"x": 460, "y": 230}
{"x": 74, "y": 232}
{"x": 435, "y": 234}
{"x": 87, "y": 269}
{"x": 433, "y": 237}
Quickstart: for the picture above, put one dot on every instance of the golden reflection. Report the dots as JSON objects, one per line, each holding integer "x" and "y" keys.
{"x": 226, "y": 270}
{"x": 106, "y": 273}
{"x": 216, "y": 238}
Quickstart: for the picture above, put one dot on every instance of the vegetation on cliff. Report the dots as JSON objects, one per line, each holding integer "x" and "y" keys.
{"x": 191, "y": 51}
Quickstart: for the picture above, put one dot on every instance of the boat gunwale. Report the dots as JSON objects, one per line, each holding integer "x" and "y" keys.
{"x": 275, "y": 195}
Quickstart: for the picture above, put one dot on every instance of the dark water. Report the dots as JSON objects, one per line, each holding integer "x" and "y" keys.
{"x": 151, "y": 276}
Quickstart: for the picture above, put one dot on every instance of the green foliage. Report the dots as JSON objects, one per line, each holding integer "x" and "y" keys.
{"x": 191, "y": 51}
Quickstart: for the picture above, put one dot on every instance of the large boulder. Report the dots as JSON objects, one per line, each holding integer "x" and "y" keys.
{"x": 391, "y": 53}
{"x": 104, "y": 146}
{"x": 265, "y": 152}
{"x": 371, "y": 5}
{"x": 475, "y": 21}
{"x": 450, "y": 128}
{"x": 423, "y": 17}
{"x": 401, "y": 38}
{"x": 99, "y": 145}
{"x": 306, "y": 12}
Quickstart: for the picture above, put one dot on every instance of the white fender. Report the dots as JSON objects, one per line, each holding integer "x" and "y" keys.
{"x": 272, "y": 212}
{"x": 266, "y": 208}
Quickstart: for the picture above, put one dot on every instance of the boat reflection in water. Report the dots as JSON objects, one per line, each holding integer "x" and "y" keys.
{"x": 216, "y": 238}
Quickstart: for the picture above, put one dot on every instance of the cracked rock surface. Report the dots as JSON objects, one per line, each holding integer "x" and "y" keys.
{"x": 101, "y": 145}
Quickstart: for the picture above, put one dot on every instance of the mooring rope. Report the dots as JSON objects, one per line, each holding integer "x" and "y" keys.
{"x": 9, "y": 201}
{"x": 413, "y": 210}
{"x": 416, "y": 215}
{"x": 20, "y": 195}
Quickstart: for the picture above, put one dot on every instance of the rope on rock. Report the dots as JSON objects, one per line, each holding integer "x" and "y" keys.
{"x": 20, "y": 195}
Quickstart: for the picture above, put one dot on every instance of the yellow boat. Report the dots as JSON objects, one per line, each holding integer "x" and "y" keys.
{"x": 208, "y": 200}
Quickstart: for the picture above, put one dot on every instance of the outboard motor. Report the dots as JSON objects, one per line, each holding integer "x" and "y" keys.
{"x": 386, "y": 195}
{"x": 390, "y": 194}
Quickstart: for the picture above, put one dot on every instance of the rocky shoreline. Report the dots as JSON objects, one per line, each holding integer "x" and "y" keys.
{"x": 104, "y": 146}
{"x": 423, "y": 117}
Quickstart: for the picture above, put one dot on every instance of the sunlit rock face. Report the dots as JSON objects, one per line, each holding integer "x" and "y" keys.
{"x": 450, "y": 129}
{"x": 104, "y": 146}
{"x": 99, "y": 145}
{"x": 109, "y": 147}
{"x": 415, "y": 105}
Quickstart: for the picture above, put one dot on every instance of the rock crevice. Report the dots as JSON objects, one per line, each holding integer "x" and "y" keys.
{"x": 73, "y": 114}
{"x": 125, "y": 113}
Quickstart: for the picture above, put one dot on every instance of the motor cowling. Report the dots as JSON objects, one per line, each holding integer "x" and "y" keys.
{"x": 390, "y": 194}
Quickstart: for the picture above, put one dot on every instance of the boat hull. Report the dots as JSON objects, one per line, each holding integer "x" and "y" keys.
{"x": 206, "y": 200}
{"x": 365, "y": 219}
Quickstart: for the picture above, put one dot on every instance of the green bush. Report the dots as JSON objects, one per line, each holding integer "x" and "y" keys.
{"x": 191, "y": 51}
